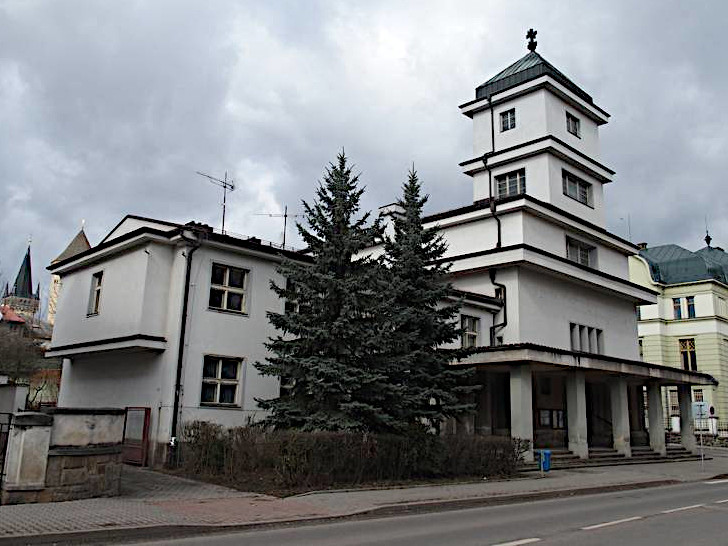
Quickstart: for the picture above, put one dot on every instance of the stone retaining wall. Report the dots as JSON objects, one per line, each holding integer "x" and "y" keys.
{"x": 76, "y": 454}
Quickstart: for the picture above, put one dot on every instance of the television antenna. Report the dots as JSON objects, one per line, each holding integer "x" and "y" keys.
{"x": 226, "y": 185}
{"x": 285, "y": 217}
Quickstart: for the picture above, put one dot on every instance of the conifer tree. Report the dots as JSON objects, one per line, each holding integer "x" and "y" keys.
{"x": 422, "y": 318}
{"x": 326, "y": 352}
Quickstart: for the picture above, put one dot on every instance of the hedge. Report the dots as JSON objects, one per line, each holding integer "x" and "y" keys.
{"x": 254, "y": 458}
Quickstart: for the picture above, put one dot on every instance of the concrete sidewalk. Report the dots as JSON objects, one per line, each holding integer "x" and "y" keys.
{"x": 152, "y": 500}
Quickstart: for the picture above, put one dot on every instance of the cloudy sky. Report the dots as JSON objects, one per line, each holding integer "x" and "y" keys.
{"x": 108, "y": 108}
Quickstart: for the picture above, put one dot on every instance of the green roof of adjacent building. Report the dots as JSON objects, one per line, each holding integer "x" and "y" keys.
{"x": 527, "y": 68}
{"x": 673, "y": 264}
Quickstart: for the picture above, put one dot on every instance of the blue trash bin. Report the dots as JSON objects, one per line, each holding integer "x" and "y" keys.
{"x": 544, "y": 459}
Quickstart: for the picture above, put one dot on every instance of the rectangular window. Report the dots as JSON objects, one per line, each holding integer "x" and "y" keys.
{"x": 642, "y": 352}
{"x": 576, "y": 188}
{"x": 691, "y": 306}
{"x": 722, "y": 310}
{"x": 220, "y": 380}
{"x": 580, "y": 252}
{"x": 698, "y": 395}
{"x": 94, "y": 301}
{"x": 674, "y": 403}
{"x": 676, "y": 308}
{"x": 513, "y": 183}
{"x": 470, "y": 326}
{"x": 508, "y": 120}
{"x": 687, "y": 355}
{"x": 291, "y": 305}
{"x": 228, "y": 288}
{"x": 586, "y": 339}
{"x": 573, "y": 125}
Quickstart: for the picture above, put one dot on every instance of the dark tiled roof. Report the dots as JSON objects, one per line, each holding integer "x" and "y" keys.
{"x": 672, "y": 264}
{"x": 23, "y": 286}
{"x": 76, "y": 246}
{"x": 527, "y": 68}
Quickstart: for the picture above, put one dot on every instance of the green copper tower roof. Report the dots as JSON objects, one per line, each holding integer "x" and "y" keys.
{"x": 528, "y": 67}
{"x": 673, "y": 264}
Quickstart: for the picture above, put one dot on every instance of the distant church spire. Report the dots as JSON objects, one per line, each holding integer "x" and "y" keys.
{"x": 531, "y": 36}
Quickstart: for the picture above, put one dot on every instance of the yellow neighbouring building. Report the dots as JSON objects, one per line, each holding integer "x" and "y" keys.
{"x": 688, "y": 326}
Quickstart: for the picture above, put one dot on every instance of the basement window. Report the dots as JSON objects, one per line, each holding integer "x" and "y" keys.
{"x": 228, "y": 288}
{"x": 220, "y": 380}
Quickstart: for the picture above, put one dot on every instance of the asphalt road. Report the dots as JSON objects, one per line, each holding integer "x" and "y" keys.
{"x": 692, "y": 514}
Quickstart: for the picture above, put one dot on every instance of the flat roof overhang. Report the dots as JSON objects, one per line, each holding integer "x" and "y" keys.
{"x": 531, "y": 353}
{"x": 123, "y": 343}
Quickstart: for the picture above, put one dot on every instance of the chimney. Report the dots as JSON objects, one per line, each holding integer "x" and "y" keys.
{"x": 642, "y": 246}
{"x": 387, "y": 214}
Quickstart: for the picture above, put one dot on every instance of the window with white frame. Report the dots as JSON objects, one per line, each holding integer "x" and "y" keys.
{"x": 94, "y": 301}
{"x": 471, "y": 327}
{"x": 676, "y": 308}
{"x": 228, "y": 288}
{"x": 220, "y": 380}
{"x": 576, "y": 188}
{"x": 586, "y": 339}
{"x": 690, "y": 300}
{"x": 580, "y": 252}
{"x": 512, "y": 183}
{"x": 573, "y": 125}
{"x": 508, "y": 119}
{"x": 698, "y": 395}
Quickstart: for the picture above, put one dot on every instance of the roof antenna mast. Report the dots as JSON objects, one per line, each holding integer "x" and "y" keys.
{"x": 226, "y": 185}
{"x": 285, "y": 217}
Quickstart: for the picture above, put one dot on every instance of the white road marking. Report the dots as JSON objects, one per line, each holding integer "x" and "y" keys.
{"x": 608, "y": 523}
{"x": 682, "y": 508}
{"x": 519, "y": 542}
{"x": 721, "y": 501}
{"x": 716, "y": 482}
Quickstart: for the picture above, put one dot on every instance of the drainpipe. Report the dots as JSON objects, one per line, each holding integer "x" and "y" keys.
{"x": 193, "y": 244}
{"x": 491, "y": 201}
{"x": 505, "y": 314}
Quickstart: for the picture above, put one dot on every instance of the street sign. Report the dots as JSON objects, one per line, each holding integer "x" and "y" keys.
{"x": 700, "y": 410}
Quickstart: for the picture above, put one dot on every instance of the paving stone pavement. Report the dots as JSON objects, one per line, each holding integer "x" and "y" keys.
{"x": 153, "y": 499}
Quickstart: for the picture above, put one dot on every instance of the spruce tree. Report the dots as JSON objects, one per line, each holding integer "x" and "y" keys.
{"x": 422, "y": 318}
{"x": 326, "y": 352}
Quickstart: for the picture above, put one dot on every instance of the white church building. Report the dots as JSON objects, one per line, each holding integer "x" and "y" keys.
{"x": 169, "y": 318}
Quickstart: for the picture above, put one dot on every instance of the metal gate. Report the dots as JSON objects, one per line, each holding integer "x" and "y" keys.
{"x": 136, "y": 436}
{"x": 6, "y": 420}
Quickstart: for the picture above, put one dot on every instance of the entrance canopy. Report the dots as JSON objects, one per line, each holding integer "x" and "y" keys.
{"x": 504, "y": 355}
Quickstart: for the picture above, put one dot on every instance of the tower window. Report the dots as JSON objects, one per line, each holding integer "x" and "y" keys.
{"x": 470, "y": 328}
{"x": 687, "y": 354}
{"x": 508, "y": 120}
{"x": 576, "y": 188}
{"x": 513, "y": 183}
{"x": 579, "y": 252}
{"x": 676, "y": 308}
{"x": 573, "y": 125}
{"x": 691, "y": 306}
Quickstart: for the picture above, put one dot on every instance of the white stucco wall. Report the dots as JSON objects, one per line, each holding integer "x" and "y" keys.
{"x": 556, "y": 110}
{"x": 547, "y": 304}
{"x": 130, "y": 224}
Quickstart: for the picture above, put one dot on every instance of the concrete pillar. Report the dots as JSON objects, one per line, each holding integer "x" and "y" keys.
{"x": 687, "y": 430}
{"x": 522, "y": 406}
{"x": 620, "y": 416}
{"x": 655, "y": 418}
{"x": 576, "y": 413}
{"x": 26, "y": 458}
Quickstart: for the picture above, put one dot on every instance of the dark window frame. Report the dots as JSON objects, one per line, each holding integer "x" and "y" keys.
{"x": 575, "y": 122}
{"x": 508, "y": 120}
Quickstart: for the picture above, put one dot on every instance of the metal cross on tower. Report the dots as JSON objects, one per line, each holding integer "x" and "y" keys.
{"x": 225, "y": 185}
{"x": 532, "y": 43}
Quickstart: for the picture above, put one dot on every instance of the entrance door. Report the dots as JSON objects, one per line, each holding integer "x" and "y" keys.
{"x": 599, "y": 415}
{"x": 136, "y": 436}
